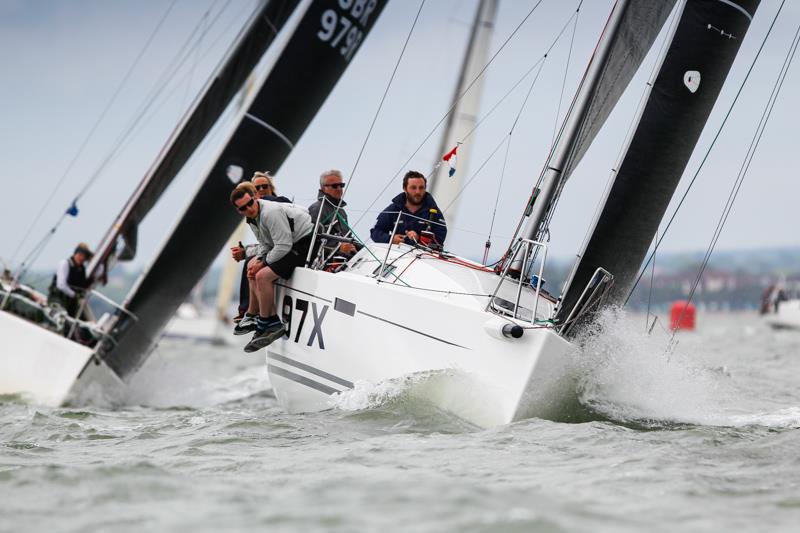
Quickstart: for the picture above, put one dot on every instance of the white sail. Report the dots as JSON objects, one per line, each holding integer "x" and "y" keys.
{"x": 464, "y": 116}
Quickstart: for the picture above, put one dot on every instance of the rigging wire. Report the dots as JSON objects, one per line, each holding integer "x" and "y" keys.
{"x": 383, "y": 99}
{"x": 566, "y": 71}
{"x": 149, "y": 101}
{"x": 167, "y": 76}
{"x": 706, "y": 155}
{"x": 452, "y": 107}
{"x": 96, "y": 124}
{"x": 745, "y": 167}
{"x": 137, "y": 125}
{"x": 650, "y": 294}
{"x": 545, "y": 230}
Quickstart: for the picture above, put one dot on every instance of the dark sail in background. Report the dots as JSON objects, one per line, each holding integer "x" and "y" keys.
{"x": 321, "y": 39}
{"x": 706, "y": 41}
{"x": 207, "y": 108}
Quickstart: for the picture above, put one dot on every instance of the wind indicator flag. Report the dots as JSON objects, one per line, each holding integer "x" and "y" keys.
{"x": 452, "y": 158}
{"x": 72, "y": 210}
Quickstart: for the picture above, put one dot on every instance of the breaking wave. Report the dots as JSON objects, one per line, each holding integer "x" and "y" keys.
{"x": 629, "y": 376}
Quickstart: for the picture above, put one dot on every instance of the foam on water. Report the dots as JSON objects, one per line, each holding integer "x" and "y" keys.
{"x": 628, "y": 375}
{"x": 451, "y": 390}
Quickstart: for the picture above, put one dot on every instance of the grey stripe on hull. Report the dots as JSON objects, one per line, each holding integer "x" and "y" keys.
{"x": 412, "y": 330}
{"x": 311, "y": 370}
{"x": 301, "y": 379}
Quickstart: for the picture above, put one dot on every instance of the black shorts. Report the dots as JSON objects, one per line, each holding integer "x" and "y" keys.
{"x": 295, "y": 258}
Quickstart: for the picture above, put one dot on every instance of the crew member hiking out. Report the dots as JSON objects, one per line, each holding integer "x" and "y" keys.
{"x": 263, "y": 189}
{"x": 284, "y": 236}
{"x": 418, "y": 213}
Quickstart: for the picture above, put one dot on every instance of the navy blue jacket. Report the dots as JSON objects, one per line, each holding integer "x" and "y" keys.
{"x": 383, "y": 226}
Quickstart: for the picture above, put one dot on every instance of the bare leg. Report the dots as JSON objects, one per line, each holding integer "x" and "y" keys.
{"x": 252, "y": 306}
{"x": 265, "y": 280}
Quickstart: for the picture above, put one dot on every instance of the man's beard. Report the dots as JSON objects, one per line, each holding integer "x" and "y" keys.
{"x": 412, "y": 201}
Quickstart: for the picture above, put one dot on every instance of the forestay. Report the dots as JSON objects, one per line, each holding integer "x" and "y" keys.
{"x": 629, "y": 34}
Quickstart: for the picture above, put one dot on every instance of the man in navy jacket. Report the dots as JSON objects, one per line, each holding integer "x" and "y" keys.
{"x": 414, "y": 200}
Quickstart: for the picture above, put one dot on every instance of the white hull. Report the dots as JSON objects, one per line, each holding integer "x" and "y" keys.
{"x": 356, "y": 329}
{"x": 37, "y": 364}
{"x": 787, "y": 316}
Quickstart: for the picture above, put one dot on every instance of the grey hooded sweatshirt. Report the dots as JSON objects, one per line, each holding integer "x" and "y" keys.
{"x": 277, "y": 227}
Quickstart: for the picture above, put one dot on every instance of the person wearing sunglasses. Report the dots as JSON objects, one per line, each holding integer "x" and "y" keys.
{"x": 284, "y": 234}
{"x": 323, "y": 211}
{"x": 264, "y": 189}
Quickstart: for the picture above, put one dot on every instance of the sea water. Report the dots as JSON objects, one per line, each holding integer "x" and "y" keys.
{"x": 702, "y": 435}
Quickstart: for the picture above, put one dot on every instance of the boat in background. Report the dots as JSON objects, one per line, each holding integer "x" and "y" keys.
{"x": 780, "y": 306}
{"x": 289, "y": 52}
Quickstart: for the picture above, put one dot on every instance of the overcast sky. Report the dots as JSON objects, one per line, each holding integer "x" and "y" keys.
{"x": 62, "y": 62}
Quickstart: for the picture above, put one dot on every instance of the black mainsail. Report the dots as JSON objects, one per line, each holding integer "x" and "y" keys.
{"x": 306, "y": 45}
{"x": 703, "y": 47}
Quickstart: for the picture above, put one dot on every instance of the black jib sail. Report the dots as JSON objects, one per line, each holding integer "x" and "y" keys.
{"x": 628, "y": 35}
{"x": 309, "y": 54}
{"x": 703, "y": 47}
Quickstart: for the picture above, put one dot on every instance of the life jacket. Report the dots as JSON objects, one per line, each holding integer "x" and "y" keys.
{"x": 76, "y": 278}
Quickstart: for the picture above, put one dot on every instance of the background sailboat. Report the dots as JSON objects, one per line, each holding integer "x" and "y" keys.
{"x": 290, "y": 52}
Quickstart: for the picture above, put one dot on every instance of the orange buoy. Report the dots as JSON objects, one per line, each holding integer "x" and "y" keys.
{"x": 681, "y": 315}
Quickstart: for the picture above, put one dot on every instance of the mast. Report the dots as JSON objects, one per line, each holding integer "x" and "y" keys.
{"x": 630, "y": 31}
{"x": 315, "y": 42}
{"x": 690, "y": 78}
{"x": 464, "y": 116}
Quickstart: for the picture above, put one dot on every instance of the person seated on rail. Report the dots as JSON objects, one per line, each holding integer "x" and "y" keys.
{"x": 284, "y": 236}
{"x": 414, "y": 200}
{"x": 329, "y": 219}
{"x": 69, "y": 283}
{"x": 263, "y": 189}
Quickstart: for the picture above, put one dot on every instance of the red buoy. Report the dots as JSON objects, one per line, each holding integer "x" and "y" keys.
{"x": 681, "y": 315}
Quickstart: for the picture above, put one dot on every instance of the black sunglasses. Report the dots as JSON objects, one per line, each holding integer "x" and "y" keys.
{"x": 336, "y": 185}
{"x": 246, "y": 206}
{"x": 263, "y": 187}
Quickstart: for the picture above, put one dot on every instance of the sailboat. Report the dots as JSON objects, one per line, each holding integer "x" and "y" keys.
{"x": 501, "y": 342}
{"x": 780, "y": 306}
{"x": 273, "y": 80}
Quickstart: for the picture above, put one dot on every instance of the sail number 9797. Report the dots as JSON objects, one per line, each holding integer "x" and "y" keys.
{"x": 341, "y": 32}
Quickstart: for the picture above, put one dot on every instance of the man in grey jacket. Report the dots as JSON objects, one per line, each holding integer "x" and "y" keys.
{"x": 324, "y": 212}
{"x": 284, "y": 234}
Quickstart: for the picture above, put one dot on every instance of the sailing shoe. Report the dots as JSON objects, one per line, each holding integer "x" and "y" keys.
{"x": 245, "y": 325}
{"x": 265, "y": 337}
